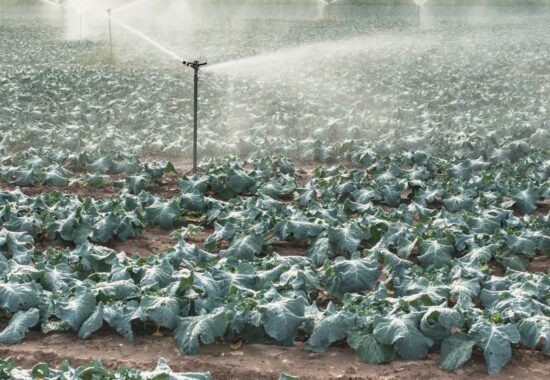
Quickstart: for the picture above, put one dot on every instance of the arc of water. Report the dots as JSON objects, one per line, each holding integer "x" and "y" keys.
{"x": 134, "y": 31}
{"x": 128, "y": 5}
{"x": 53, "y": 3}
{"x": 146, "y": 38}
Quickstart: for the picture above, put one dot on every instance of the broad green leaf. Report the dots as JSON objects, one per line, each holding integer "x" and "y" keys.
{"x": 244, "y": 247}
{"x": 191, "y": 331}
{"x": 526, "y": 200}
{"x": 281, "y": 317}
{"x": 164, "y": 311}
{"x": 14, "y": 297}
{"x": 403, "y": 334}
{"x": 432, "y": 252}
{"x": 437, "y": 322}
{"x": 455, "y": 351}
{"x": 320, "y": 251}
{"x": 347, "y": 239}
{"x": 16, "y": 245}
{"x": 534, "y": 331}
{"x": 298, "y": 228}
{"x": 164, "y": 214}
{"x": 76, "y": 310}
{"x": 120, "y": 316}
{"x": 19, "y": 324}
{"x": 368, "y": 349}
{"x": 355, "y": 275}
{"x": 92, "y": 324}
{"x": 494, "y": 340}
{"x": 329, "y": 329}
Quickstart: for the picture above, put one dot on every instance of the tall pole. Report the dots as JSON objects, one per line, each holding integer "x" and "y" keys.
{"x": 110, "y": 34}
{"x": 195, "y": 121}
{"x": 195, "y": 65}
{"x": 62, "y": 16}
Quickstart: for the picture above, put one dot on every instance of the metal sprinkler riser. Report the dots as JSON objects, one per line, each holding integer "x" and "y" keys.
{"x": 195, "y": 65}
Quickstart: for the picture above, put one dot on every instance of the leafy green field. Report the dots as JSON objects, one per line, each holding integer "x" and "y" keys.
{"x": 94, "y": 371}
{"x": 399, "y": 206}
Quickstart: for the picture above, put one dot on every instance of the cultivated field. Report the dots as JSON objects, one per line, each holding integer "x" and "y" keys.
{"x": 372, "y": 200}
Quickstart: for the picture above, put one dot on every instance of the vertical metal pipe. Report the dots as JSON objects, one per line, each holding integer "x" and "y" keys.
{"x": 80, "y": 17}
{"x": 195, "y": 120}
{"x": 110, "y": 34}
{"x": 62, "y": 16}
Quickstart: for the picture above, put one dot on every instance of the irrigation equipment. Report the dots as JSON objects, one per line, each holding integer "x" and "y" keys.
{"x": 80, "y": 20}
{"x": 110, "y": 34}
{"x": 325, "y": 13}
{"x": 419, "y": 5}
{"x": 195, "y": 65}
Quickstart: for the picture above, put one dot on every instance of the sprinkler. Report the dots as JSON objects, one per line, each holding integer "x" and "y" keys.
{"x": 195, "y": 65}
{"x": 419, "y": 4}
{"x": 80, "y": 19}
{"x": 325, "y": 13}
{"x": 110, "y": 34}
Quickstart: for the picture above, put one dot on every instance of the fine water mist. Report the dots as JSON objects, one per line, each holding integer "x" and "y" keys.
{"x": 322, "y": 56}
{"x": 349, "y": 77}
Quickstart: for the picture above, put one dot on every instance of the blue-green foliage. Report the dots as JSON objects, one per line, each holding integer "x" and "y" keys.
{"x": 400, "y": 281}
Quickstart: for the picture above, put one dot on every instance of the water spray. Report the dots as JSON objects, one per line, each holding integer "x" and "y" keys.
{"x": 127, "y": 5}
{"x": 61, "y": 6}
{"x": 195, "y": 65}
{"x": 133, "y": 30}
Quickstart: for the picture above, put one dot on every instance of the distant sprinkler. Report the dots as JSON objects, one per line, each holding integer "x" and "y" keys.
{"x": 80, "y": 19}
{"x": 195, "y": 65}
{"x": 325, "y": 13}
{"x": 419, "y": 4}
{"x": 110, "y": 34}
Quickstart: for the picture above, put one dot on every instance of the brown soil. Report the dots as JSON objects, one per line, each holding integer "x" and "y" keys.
{"x": 166, "y": 186}
{"x": 200, "y": 237}
{"x": 539, "y": 264}
{"x": 43, "y": 244}
{"x": 251, "y": 361}
{"x": 543, "y": 207}
{"x": 496, "y": 269}
{"x": 304, "y": 174}
{"x": 291, "y": 248}
{"x": 154, "y": 240}
{"x": 151, "y": 241}
{"x": 74, "y": 188}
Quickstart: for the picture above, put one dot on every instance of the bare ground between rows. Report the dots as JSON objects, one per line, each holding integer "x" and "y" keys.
{"x": 252, "y": 361}
{"x": 165, "y": 187}
{"x": 154, "y": 240}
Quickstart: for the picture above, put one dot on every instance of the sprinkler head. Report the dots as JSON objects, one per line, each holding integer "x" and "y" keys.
{"x": 195, "y": 65}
